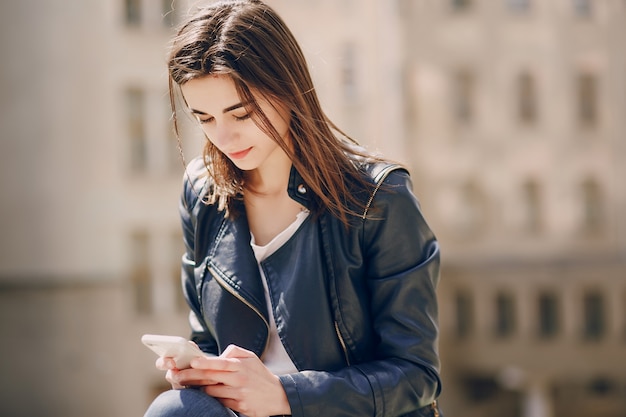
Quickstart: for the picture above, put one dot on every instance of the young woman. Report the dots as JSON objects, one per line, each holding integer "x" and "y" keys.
{"x": 309, "y": 269}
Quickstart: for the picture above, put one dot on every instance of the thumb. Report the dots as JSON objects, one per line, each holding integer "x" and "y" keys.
{"x": 234, "y": 351}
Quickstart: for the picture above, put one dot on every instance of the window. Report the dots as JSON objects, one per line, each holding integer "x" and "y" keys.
{"x": 409, "y": 97}
{"x": 404, "y": 8}
{"x": 603, "y": 387}
{"x": 548, "y": 315}
{"x": 459, "y": 5}
{"x": 532, "y": 202}
{"x": 593, "y": 212}
{"x": 505, "y": 315}
{"x": 479, "y": 388}
{"x": 140, "y": 272}
{"x": 527, "y": 98}
{"x": 464, "y": 314}
{"x": 623, "y": 306}
{"x": 136, "y": 129}
{"x": 518, "y": 5}
{"x": 594, "y": 316}
{"x": 174, "y": 148}
{"x": 463, "y": 100}
{"x": 177, "y": 252}
{"x": 582, "y": 7}
{"x": 348, "y": 72}
{"x": 587, "y": 99}
{"x": 132, "y": 12}
{"x": 473, "y": 210}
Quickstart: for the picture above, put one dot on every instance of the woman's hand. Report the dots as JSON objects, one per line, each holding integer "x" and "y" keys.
{"x": 169, "y": 365}
{"x": 237, "y": 378}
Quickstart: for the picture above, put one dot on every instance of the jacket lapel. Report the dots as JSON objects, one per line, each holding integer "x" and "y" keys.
{"x": 233, "y": 259}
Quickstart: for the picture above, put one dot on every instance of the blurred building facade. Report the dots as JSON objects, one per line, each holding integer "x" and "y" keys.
{"x": 509, "y": 113}
{"x": 517, "y": 135}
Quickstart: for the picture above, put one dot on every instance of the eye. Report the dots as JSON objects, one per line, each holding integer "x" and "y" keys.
{"x": 205, "y": 120}
{"x": 241, "y": 118}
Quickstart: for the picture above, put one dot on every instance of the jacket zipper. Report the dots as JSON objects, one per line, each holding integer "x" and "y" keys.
{"x": 343, "y": 344}
{"x": 231, "y": 290}
{"x": 378, "y": 180}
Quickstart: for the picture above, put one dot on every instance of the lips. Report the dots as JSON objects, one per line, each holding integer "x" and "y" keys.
{"x": 240, "y": 154}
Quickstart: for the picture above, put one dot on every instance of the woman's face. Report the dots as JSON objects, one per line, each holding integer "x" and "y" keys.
{"x": 228, "y": 123}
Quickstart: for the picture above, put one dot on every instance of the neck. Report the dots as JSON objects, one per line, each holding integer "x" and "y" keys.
{"x": 270, "y": 179}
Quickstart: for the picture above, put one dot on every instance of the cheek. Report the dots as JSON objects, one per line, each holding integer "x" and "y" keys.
{"x": 281, "y": 124}
{"x": 213, "y": 137}
{"x": 279, "y": 116}
{"x": 207, "y": 133}
{"x": 283, "y": 128}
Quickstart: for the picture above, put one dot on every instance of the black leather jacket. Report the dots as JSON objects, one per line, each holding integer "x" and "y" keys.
{"x": 355, "y": 307}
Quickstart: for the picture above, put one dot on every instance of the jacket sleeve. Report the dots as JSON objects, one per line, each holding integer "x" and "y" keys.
{"x": 190, "y": 204}
{"x": 402, "y": 257}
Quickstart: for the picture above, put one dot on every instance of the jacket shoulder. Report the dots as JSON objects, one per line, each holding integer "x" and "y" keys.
{"x": 385, "y": 175}
{"x": 379, "y": 171}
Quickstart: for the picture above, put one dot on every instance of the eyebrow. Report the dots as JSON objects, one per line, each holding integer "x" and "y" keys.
{"x": 226, "y": 110}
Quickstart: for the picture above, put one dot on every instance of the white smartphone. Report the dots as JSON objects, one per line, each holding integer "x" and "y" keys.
{"x": 176, "y": 347}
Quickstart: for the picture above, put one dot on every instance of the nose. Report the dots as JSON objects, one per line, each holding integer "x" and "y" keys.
{"x": 220, "y": 135}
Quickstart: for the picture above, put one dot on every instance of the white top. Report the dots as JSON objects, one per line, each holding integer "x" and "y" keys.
{"x": 275, "y": 357}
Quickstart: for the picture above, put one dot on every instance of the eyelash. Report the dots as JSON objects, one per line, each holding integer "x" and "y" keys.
{"x": 244, "y": 117}
{"x": 237, "y": 118}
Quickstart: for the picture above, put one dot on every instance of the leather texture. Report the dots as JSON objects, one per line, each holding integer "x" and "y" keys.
{"x": 355, "y": 307}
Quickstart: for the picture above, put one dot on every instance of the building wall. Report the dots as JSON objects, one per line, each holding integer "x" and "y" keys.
{"x": 90, "y": 242}
{"x": 513, "y": 198}
{"x": 90, "y": 176}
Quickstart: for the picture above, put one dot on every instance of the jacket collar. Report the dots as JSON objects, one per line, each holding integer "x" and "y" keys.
{"x": 297, "y": 188}
{"x": 232, "y": 257}
{"x": 373, "y": 171}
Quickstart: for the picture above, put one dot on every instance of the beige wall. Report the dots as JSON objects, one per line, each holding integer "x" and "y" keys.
{"x": 80, "y": 228}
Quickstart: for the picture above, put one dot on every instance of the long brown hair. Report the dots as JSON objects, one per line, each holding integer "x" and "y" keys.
{"x": 247, "y": 41}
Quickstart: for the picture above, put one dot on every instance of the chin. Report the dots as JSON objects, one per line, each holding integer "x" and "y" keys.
{"x": 244, "y": 166}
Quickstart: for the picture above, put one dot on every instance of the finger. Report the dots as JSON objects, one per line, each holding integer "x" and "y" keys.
{"x": 172, "y": 380}
{"x": 223, "y": 392}
{"x": 197, "y": 377}
{"x": 234, "y": 351}
{"x": 215, "y": 363}
{"x": 165, "y": 363}
{"x": 177, "y": 377}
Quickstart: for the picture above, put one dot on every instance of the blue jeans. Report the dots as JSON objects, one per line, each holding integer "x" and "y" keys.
{"x": 187, "y": 403}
